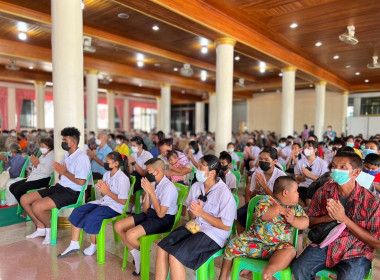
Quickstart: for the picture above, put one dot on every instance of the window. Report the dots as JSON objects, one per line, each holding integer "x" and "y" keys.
{"x": 144, "y": 118}
{"x": 370, "y": 106}
{"x": 28, "y": 116}
{"x": 102, "y": 116}
{"x": 183, "y": 117}
{"x": 350, "y": 108}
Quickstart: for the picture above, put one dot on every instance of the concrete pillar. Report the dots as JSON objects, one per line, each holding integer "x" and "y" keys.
{"x": 357, "y": 106}
{"x": 199, "y": 117}
{"x": 111, "y": 110}
{"x": 344, "y": 110}
{"x": 320, "y": 97}
{"x": 250, "y": 118}
{"x": 11, "y": 108}
{"x": 224, "y": 92}
{"x": 159, "y": 114}
{"x": 212, "y": 111}
{"x": 39, "y": 87}
{"x": 165, "y": 108}
{"x": 288, "y": 92}
{"x": 92, "y": 100}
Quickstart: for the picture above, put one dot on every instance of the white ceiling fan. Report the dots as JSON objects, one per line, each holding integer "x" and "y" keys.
{"x": 12, "y": 66}
{"x": 349, "y": 36}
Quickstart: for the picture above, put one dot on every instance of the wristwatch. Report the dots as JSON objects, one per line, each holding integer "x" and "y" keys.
{"x": 133, "y": 163}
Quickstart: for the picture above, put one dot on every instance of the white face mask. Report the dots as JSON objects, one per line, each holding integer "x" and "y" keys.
{"x": 135, "y": 149}
{"x": 308, "y": 152}
{"x": 44, "y": 150}
{"x": 208, "y": 137}
{"x": 118, "y": 142}
{"x": 98, "y": 142}
{"x": 13, "y": 134}
{"x": 230, "y": 150}
{"x": 282, "y": 145}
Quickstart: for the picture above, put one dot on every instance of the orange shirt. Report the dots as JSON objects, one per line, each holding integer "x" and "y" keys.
{"x": 22, "y": 144}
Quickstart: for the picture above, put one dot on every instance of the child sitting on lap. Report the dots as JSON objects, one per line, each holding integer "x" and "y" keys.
{"x": 270, "y": 234}
{"x": 175, "y": 165}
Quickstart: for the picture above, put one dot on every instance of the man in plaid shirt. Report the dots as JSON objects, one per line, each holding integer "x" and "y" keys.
{"x": 352, "y": 252}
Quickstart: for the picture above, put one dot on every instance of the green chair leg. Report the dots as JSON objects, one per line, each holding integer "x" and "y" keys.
{"x": 92, "y": 193}
{"x": 3, "y": 198}
{"x": 80, "y": 238}
{"x": 125, "y": 258}
{"x": 211, "y": 269}
{"x": 101, "y": 243}
{"x": 54, "y": 226}
{"x": 138, "y": 201}
{"x": 145, "y": 244}
{"x": 19, "y": 209}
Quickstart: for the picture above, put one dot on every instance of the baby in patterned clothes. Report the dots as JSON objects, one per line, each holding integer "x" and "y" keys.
{"x": 269, "y": 236}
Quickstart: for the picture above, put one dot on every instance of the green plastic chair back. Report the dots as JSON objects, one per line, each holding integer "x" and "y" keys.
{"x": 240, "y": 155}
{"x": 192, "y": 174}
{"x": 22, "y": 173}
{"x": 238, "y": 179}
{"x": 283, "y": 166}
{"x": 38, "y": 154}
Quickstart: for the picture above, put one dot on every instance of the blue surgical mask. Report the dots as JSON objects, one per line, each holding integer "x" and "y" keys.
{"x": 282, "y": 145}
{"x": 350, "y": 144}
{"x": 362, "y": 147}
{"x": 43, "y": 134}
{"x": 366, "y": 152}
{"x": 192, "y": 151}
{"x": 373, "y": 172}
{"x": 5, "y": 134}
{"x": 9, "y": 154}
{"x": 200, "y": 175}
{"x": 340, "y": 176}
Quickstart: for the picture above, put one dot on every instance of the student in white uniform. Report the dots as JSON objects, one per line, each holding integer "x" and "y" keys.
{"x": 213, "y": 208}
{"x": 262, "y": 182}
{"x": 308, "y": 170}
{"x": 194, "y": 154}
{"x": 294, "y": 157}
{"x": 73, "y": 174}
{"x": 234, "y": 156}
{"x": 137, "y": 160}
{"x": 159, "y": 209}
{"x": 226, "y": 164}
{"x": 251, "y": 154}
{"x": 89, "y": 217}
{"x": 284, "y": 150}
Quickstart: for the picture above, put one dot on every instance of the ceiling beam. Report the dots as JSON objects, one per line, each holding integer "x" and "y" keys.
{"x": 367, "y": 87}
{"x": 7, "y": 9}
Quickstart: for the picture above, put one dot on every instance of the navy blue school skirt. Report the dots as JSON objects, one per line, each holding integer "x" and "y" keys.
{"x": 153, "y": 224}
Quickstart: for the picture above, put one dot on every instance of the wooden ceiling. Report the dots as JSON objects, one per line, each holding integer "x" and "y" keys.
{"x": 262, "y": 29}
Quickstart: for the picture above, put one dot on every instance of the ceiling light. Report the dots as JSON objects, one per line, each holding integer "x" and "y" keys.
{"x": 22, "y": 36}
{"x": 280, "y": 74}
{"x": 336, "y": 57}
{"x": 155, "y": 28}
{"x": 204, "y": 42}
{"x": 311, "y": 85}
{"x": 140, "y": 85}
{"x": 140, "y": 63}
{"x": 293, "y": 25}
{"x": 348, "y": 66}
{"x": 366, "y": 81}
{"x": 318, "y": 44}
{"x": 140, "y": 56}
{"x": 204, "y": 49}
{"x": 175, "y": 69}
{"x": 262, "y": 66}
{"x": 203, "y": 75}
{"x": 262, "y": 89}
{"x": 157, "y": 64}
{"x": 31, "y": 67}
{"x": 123, "y": 15}
{"x": 22, "y": 26}
{"x": 237, "y": 58}
{"x": 357, "y": 73}
{"x": 183, "y": 92}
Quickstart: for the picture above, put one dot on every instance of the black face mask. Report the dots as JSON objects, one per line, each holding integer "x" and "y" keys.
{"x": 107, "y": 166}
{"x": 65, "y": 146}
{"x": 150, "y": 177}
{"x": 265, "y": 166}
{"x": 224, "y": 167}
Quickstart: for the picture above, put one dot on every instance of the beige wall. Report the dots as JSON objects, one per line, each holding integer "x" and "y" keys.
{"x": 267, "y": 110}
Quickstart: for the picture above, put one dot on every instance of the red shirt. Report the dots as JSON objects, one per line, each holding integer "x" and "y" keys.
{"x": 365, "y": 212}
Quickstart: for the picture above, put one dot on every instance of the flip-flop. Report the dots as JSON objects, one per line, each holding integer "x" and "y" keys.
{"x": 71, "y": 252}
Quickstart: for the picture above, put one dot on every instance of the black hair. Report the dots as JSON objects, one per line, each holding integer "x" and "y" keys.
{"x": 231, "y": 144}
{"x": 305, "y": 126}
{"x": 166, "y": 141}
{"x": 373, "y": 159}
{"x": 112, "y": 135}
{"x": 297, "y": 144}
{"x": 312, "y": 143}
{"x": 355, "y": 160}
{"x": 350, "y": 137}
{"x": 121, "y": 137}
{"x": 346, "y": 149}
{"x": 272, "y": 153}
{"x": 116, "y": 156}
{"x": 282, "y": 139}
{"x": 339, "y": 141}
{"x": 213, "y": 163}
{"x": 71, "y": 132}
{"x": 172, "y": 153}
{"x": 374, "y": 142}
{"x": 225, "y": 156}
{"x": 315, "y": 137}
{"x": 289, "y": 137}
{"x": 195, "y": 146}
{"x": 139, "y": 141}
{"x": 283, "y": 183}
{"x": 49, "y": 142}
{"x": 160, "y": 135}
{"x": 193, "y": 134}
{"x": 363, "y": 142}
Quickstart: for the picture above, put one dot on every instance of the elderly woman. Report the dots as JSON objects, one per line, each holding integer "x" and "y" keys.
{"x": 13, "y": 161}
{"x": 42, "y": 168}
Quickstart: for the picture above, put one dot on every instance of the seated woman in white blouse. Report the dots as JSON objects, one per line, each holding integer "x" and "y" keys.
{"x": 42, "y": 169}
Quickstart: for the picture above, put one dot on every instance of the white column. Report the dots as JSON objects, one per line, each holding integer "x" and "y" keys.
{"x": 92, "y": 100}
{"x": 357, "y": 106}
{"x": 111, "y": 110}
{"x": 11, "y": 108}
{"x": 67, "y": 53}
{"x": 250, "y": 118}
{"x": 320, "y": 97}
{"x": 288, "y": 91}
{"x": 39, "y": 87}
{"x": 165, "y": 107}
{"x": 212, "y": 112}
{"x": 127, "y": 121}
{"x": 224, "y": 92}
{"x": 344, "y": 110}
{"x": 159, "y": 113}
{"x": 199, "y": 117}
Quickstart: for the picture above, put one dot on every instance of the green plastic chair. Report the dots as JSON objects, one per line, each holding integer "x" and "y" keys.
{"x": 55, "y": 211}
{"x": 192, "y": 174}
{"x": 283, "y": 167}
{"x": 147, "y": 240}
{"x": 101, "y": 236}
{"x": 138, "y": 195}
{"x": 327, "y": 273}
{"x": 257, "y": 265}
{"x": 238, "y": 179}
{"x": 38, "y": 154}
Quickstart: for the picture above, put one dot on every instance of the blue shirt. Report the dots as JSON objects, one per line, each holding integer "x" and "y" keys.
{"x": 101, "y": 153}
{"x": 155, "y": 152}
{"x": 16, "y": 164}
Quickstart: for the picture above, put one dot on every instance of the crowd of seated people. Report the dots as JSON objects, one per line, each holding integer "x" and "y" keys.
{"x": 302, "y": 184}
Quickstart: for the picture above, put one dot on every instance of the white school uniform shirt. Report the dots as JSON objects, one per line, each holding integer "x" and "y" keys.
{"x": 329, "y": 156}
{"x": 235, "y": 157}
{"x": 119, "y": 184}
{"x": 319, "y": 167}
{"x": 44, "y": 169}
{"x": 167, "y": 195}
{"x": 220, "y": 204}
{"x": 276, "y": 173}
{"x": 286, "y": 152}
{"x": 255, "y": 150}
{"x": 231, "y": 180}
{"x": 140, "y": 160}
{"x": 77, "y": 164}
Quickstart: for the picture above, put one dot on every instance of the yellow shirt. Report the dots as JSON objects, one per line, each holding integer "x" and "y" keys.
{"x": 123, "y": 149}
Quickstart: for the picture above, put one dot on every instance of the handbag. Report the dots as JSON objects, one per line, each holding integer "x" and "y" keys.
{"x": 4, "y": 178}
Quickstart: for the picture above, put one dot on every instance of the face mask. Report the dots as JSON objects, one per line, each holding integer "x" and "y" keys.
{"x": 262, "y": 136}
{"x": 43, "y": 151}
{"x": 200, "y": 175}
{"x": 107, "y": 166}
{"x": 34, "y": 134}
{"x": 5, "y": 134}
{"x": 329, "y": 148}
{"x": 282, "y": 145}
{"x": 135, "y": 149}
{"x": 192, "y": 151}
{"x": 98, "y": 142}
{"x": 13, "y": 134}
{"x": 350, "y": 144}
{"x": 118, "y": 142}
{"x": 264, "y": 166}
{"x": 150, "y": 177}
{"x": 329, "y": 129}
{"x": 224, "y": 167}
{"x": 31, "y": 142}
{"x": 366, "y": 152}
{"x": 208, "y": 137}
{"x": 308, "y": 152}
{"x": 230, "y": 150}
{"x": 43, "y": 134}
{"x": 65, "y": 146}
{"x": 9, "y": 154}
{"x": 373, "y": 173}
{"x": 362, "y": 147}
{"x": 339, "y": 176}
{"x": 92, "y": 135}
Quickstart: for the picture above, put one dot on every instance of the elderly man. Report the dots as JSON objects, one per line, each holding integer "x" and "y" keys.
{"x": 345, "y": 201}
{"x": 98, "y": 157}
